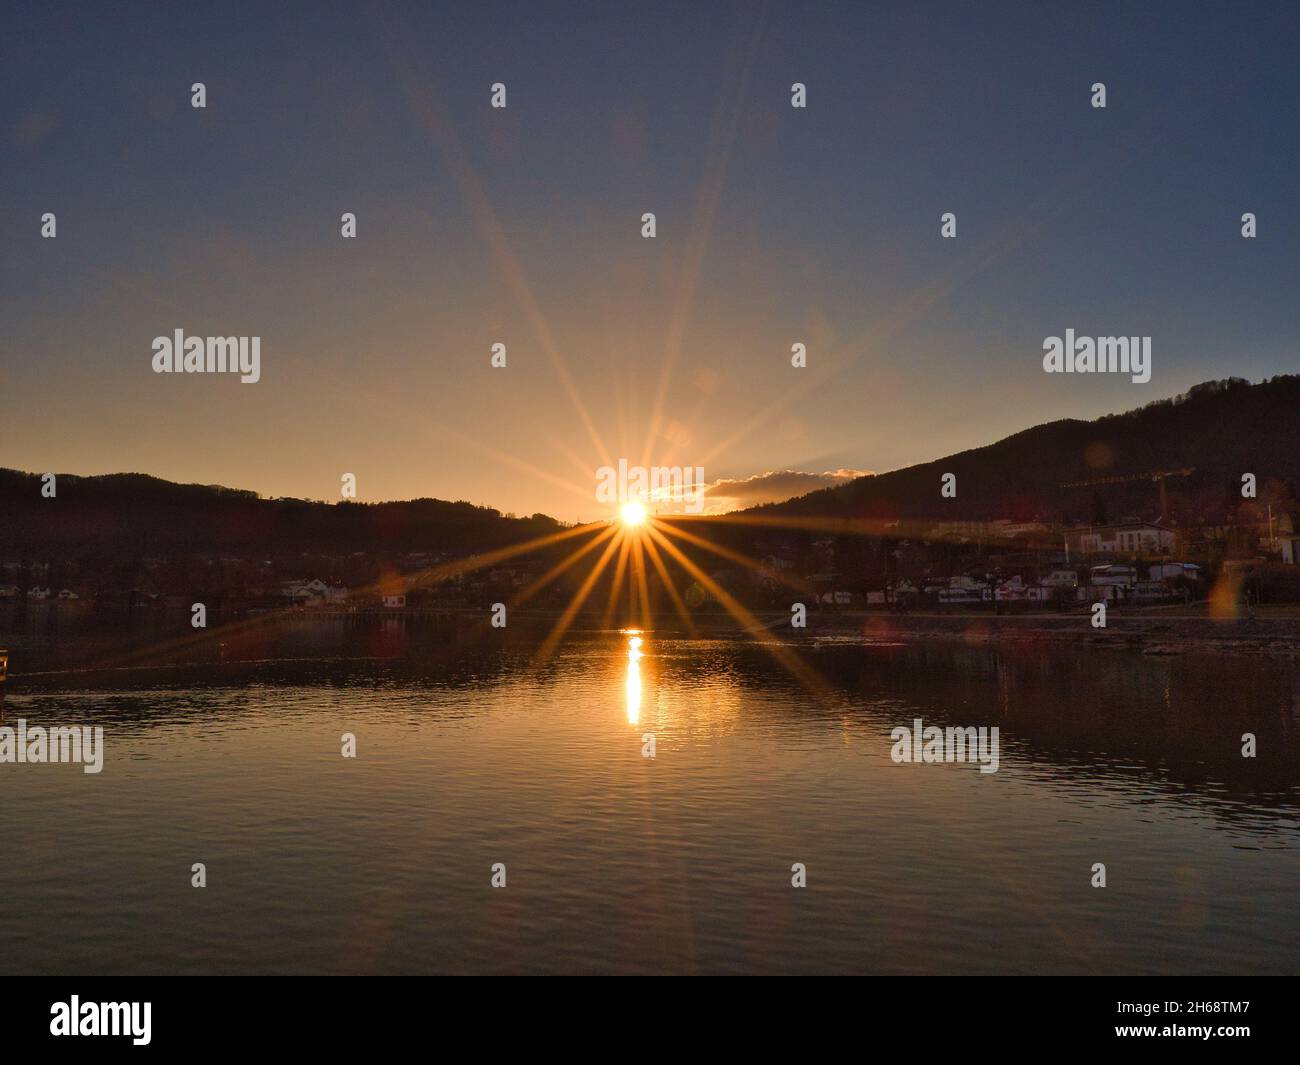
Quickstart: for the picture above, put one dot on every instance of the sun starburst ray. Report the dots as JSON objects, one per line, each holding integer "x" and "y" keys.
{"x": 561, "y": 626}
{"x": 812, "y": 683}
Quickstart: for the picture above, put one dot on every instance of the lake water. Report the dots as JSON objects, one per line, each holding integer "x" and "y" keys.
{"x": 470, "y": 754}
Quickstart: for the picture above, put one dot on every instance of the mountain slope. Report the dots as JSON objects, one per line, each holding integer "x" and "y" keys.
{"x": 1221, "y": 428}
{"x": 136, "y": 515}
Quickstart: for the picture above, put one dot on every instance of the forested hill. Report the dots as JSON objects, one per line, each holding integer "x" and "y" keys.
{"x": 1221, "y": 429}
{"x": 142, "y": 516}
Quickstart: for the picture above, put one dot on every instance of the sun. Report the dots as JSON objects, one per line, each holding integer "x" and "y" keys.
{"x": 633, "y": 514}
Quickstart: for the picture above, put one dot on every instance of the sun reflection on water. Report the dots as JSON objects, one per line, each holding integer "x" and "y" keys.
{"x": 633, "y": 678}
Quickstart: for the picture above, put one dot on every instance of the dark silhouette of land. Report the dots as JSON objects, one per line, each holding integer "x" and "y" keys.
{"x": 1221, "y": 429}
{"x": 122, "y": 534}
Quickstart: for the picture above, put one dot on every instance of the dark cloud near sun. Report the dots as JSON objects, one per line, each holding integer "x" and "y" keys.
{"x": 775, "y": 486}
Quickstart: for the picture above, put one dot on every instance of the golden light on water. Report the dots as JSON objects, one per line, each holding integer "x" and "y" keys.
{"x": 633, "y": 679}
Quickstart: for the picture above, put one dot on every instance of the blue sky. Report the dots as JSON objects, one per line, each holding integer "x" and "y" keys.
{"x": 775, "y": 225}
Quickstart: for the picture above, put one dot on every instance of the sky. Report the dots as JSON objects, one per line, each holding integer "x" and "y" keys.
{"x": 775, "y": 225}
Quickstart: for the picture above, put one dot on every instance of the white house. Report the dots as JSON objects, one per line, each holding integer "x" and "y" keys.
{"x": 313, "y": 592}
{"x": 394, "y": 602}
{"x": 1165, "y": 571}
{"x": 1131, "y": 538}
{"x": 836, "y": 598}
{"x": 1061, "y": 578}
{"x": 1011, "y": 591}
{"x": 1113, "y": 576}
{"x": 38, "y": 593}
{"x": 303, "y": 589}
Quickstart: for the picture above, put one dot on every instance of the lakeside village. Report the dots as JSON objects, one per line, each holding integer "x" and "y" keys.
{"x": 999, "y": 566}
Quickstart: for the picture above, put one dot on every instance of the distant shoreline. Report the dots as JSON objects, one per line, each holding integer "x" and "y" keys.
{"x": 1275, "y": 634}
{"x": 1150, "y": 633}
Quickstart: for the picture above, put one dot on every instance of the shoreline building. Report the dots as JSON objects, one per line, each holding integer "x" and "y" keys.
{"x": 1122, "y": 538}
